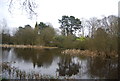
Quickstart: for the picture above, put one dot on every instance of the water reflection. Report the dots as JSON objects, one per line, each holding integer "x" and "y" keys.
{"x": 103, "y": 68}
{"x": 41, "y": 58}
{"x": 68, "y": 67}
{"x": 51, "y": 62}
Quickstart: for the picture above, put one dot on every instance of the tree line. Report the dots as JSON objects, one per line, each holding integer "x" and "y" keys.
{"x": 102, "y": 34}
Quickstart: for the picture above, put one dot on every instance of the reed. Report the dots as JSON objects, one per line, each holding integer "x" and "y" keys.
{"x": 89, "y": 53}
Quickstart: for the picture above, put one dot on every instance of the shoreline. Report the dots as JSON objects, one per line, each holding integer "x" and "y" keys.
{"x": 26, "y": 46}
{"x": 72, "y": 52}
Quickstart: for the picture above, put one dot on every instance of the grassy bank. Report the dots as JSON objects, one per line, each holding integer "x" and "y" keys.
{"x": 26, "y": 46}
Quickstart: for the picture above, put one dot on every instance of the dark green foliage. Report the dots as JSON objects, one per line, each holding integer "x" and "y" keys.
{"x": 43, "y": 25}
{"x": 69, "y": 25}
{"x": 40, "y": 27}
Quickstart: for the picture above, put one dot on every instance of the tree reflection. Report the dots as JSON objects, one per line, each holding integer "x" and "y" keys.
{"x": 4, "y": 52}
{"x": 103, "y": 68}
{"x": 39, "y": 57}
{"x": 6, "y": 49}
{"x": 67, "y": 66}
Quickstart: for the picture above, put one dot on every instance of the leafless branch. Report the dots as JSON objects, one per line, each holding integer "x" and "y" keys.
{"x": 28, "y": 5}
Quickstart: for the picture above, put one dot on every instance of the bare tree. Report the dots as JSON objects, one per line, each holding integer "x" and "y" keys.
{"x": 28, "y": 5}
{"x": 92, "y": 24}
{"x": 84, "y": 25}
{"x": 3, "y": 26}
{"x": 110, "y": 24}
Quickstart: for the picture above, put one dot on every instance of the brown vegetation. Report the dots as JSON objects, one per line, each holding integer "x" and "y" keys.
{"x": 27, "y": 46}
{"x": 89, "y": 53}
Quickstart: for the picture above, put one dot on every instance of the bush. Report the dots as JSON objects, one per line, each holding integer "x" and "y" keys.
{"x": 102, "y": 42}
{"x": 80, "y": 44}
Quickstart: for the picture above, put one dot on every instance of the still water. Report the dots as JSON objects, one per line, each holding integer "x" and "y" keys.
{"x": 53, "y": 63}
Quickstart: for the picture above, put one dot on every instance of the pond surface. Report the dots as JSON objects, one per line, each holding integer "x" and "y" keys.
{"x": 53, "y": 63}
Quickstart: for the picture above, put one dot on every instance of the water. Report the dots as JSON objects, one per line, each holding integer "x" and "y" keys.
{"x": 53, "y": 63}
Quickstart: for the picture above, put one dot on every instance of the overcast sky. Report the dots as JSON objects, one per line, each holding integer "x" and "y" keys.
{"x": 52, "y": 10}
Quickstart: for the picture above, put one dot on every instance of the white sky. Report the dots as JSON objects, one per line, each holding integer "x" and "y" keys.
{"x": 52, "y": 10}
